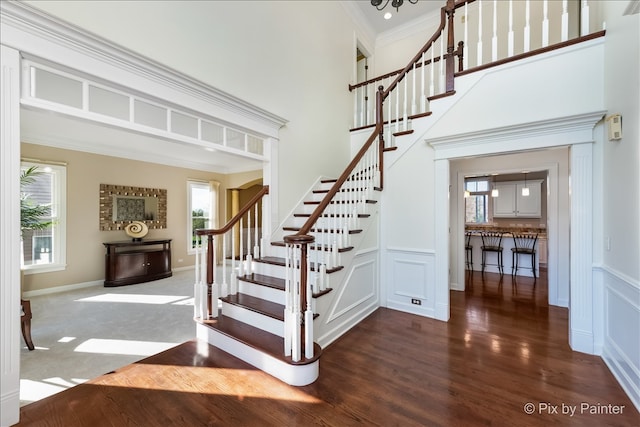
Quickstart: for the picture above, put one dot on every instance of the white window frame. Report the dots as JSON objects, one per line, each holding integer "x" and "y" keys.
{"x": 59, "y": 211}
{"x": 487, "y": 194}
{"x": 212, "y": 188}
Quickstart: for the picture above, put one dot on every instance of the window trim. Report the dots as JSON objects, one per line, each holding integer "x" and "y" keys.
{"x": 489, "y": 214}
{"x": 211, "y": 187}
{"x": 59, "y": 234}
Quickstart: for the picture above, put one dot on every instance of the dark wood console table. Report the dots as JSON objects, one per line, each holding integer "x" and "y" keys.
{"x": 128, "y": 262}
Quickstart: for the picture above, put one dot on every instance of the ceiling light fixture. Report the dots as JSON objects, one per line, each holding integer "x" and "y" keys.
{"x": 494, "y": 191}
{"x": 525, "y": 189}
{"x": 378, "y": 4}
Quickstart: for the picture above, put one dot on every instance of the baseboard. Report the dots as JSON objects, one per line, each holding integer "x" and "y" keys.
{"x": 63, "y": 288}
{"x": 10, "y": 408}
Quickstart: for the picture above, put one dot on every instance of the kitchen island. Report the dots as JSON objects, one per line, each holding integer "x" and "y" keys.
{"x": 524, "y": 264}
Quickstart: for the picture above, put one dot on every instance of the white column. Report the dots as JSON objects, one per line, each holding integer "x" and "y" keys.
{"x": 581, "y": 337}
{"x": 10, "y": 237}
{"x": 441, "y": 199}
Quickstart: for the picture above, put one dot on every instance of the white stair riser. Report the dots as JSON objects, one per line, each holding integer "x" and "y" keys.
{"x": 262, "y": 292}
{"x": 254, "y": 319}
{"x": 296, "y": 375}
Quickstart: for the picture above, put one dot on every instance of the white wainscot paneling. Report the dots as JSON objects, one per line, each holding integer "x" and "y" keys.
{"x": 359, "y": 288}
{"x": 621, "y": 349}
{"x": 411, "y": 276}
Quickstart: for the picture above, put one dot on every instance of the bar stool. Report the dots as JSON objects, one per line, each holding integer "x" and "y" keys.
{"x": 492, "y": 242}
{"x": 468, "y": 248}
{"x": 523, "y": 244}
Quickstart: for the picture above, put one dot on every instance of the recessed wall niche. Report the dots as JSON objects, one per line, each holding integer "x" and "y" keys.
{"x": 122, "y": 204}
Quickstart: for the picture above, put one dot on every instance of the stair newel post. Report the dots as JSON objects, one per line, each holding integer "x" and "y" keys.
{"x": 450, "y": 9}
{"x": 287, "y": 299}
{"x": 380, "y": 123}
{"x": 305, "y": 298}
{"x": 197, "y": 307}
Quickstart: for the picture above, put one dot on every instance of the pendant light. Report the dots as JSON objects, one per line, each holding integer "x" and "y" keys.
{"x": 494, "y": 191}
{"x": 525, "y": 189}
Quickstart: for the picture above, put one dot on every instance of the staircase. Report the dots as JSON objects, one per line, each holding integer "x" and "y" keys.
{"x": 250, "y": 324}
{"x": 273, "y": 302}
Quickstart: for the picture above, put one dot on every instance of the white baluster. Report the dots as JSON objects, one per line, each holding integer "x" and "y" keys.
{"x": 510, "y": 41}
{"x": 414, "y": 103}
{"x": 215, "y": 294}
{"x": 564, "y": 33}
{"x": 241, "y": 262}
{"x": 465, "y": 49}
{"x": 287, "y": 302}
{"x": 397, "y": 116}
{"x": 389, "y": 139}
{"x": 545, "y": 23}
{"x": 355, "y": 108}
{"x": 442, "y": 61}
{"x": 203, "y": 283}
{"x": 233, "y": 285}
{"x": 404, "y": 106}
{"x": 224, "y": 291}
{"x": 423, "y": 95}
{"x": 527, "y": 28}
{"x": 296, "y": 352}
{"x": 479, "y": 57}
{"x": 432, "y": 67}
{"x": 584, "y": 18}
{"x": 249, "y": 259}
{"x": 256, "y": 247}
{"x": 494, "y": 39}
{"x": 308, "y": 316}
{"x": 197, "y": 308}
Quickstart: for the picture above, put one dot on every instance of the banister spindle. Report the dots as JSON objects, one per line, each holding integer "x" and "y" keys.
{"x": 527, "y": 28}
{"x": 423, "y": 96}
{"x": 256, "y": 246}
{"x": 414, "y": 104}
{"x": 479, "y": 53}
{"x": 545, "y": 23}
{"x": 405, "y": 104}
{"x": 564, "y": 33}
{"x": 584, "y": 18}
{"x": 211, "y": 281}
{"x": 465, "y": 51}
{"x": 442, "y": 61}
{"x": 510, "y": 38}
{"x": 224, "y": 291}
{"x": 494, "y": 39}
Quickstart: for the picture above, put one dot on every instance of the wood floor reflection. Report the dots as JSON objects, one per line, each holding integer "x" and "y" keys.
{"x": 503, "y": 354}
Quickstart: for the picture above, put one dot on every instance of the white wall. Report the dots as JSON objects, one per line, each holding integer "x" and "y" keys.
{"x": 617, "y": 267}
{"x": 276, "y": 55}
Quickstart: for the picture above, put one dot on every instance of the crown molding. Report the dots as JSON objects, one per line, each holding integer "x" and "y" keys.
{"x": 365, "y": 30}
{"x": 27, "y": 29}
{"x": 540, "y": 134}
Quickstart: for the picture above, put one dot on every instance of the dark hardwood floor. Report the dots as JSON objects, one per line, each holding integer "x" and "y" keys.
{"x": 503, "y": 352}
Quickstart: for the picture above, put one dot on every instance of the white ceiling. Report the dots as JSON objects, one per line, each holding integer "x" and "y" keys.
{"x": 405, "y": 14}
{"x": 55, "y": 130}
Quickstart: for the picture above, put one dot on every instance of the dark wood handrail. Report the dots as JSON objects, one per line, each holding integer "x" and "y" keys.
{"x": 381, "y": 95}
{"x": 343, "y": 178}
{"x": 233, "y": 221}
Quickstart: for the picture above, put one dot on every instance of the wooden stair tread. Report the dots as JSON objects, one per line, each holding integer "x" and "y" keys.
{"x": 404, "y": 132}
{"x": 317, "y": 202}
{"x": 260, "y": 279}
{"x": 319, "y": 230}
{"x": 259, "y": 305}
{"x": 281, "y": 262}
{"x": 313, "y": 246}
{"x": 306, "y": 215}
{"x": 256, "y": 338}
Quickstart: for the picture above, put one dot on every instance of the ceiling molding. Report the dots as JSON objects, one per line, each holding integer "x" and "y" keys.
{"x": 555, "y": 132}
{"x": 421, "y": 25}
{"x": 20, "y": 20}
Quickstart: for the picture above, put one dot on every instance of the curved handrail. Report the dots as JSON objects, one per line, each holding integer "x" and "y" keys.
{"x": 233, "y": 221}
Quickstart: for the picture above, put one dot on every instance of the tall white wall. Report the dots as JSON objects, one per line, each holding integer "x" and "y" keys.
{"x": 276, "y": 55}
{"x": 618, "y": 269}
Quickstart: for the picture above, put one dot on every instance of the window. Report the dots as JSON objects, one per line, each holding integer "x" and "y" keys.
{"x": 202, "y": 207}
{"x": 477, "y": 201}
{"x": 45, "y": 250}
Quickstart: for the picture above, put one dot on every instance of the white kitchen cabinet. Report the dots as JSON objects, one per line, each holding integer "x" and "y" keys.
{"x": 510, "y": 202}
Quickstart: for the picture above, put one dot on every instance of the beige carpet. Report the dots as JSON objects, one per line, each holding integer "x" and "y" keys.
{"x": 80, "y": 335}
